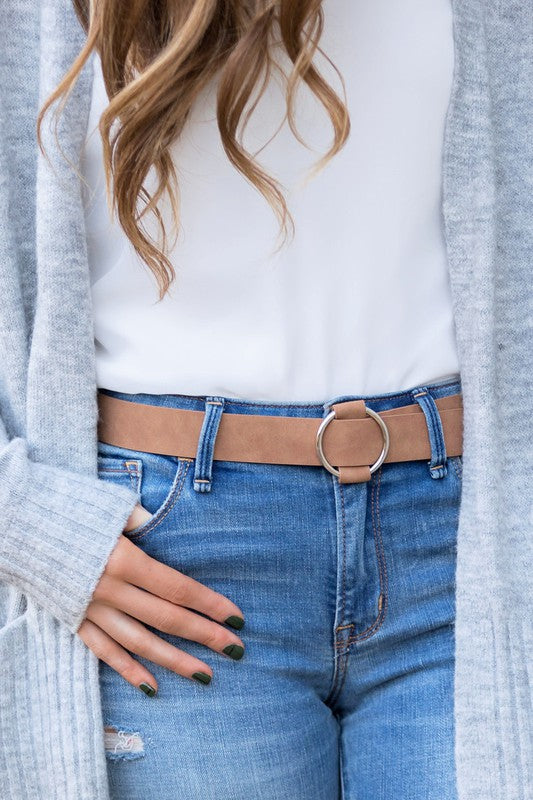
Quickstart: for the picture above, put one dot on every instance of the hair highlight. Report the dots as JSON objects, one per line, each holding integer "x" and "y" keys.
{"x": 157, "y": 55}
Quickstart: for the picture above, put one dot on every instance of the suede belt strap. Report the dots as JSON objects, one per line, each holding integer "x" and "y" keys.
{"x": 352, "y": 441}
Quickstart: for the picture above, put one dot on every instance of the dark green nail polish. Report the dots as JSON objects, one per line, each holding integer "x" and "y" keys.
{"x": 203, "y": 677}
{"x": 147, "y": 689}
{"x": 235, "y": 622}
{"x": 234, "y": 651}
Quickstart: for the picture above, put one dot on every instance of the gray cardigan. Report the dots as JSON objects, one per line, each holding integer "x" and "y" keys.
{"x": 60, "y": 522}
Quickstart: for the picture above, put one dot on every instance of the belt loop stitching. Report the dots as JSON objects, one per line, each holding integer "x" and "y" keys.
{"x": 203, "y": 467}
{"x": 438, "y": 462}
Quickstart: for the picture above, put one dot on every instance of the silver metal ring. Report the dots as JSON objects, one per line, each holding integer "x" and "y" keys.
{"x": 320, "y": 434}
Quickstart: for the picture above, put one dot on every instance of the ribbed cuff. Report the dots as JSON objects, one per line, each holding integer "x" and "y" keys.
{"x": 59, "y": 529}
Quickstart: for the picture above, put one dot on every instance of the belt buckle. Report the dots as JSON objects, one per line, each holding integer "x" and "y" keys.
{"x": 320, "y": 435}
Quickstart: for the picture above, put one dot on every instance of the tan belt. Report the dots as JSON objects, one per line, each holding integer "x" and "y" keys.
{"x": 352, "y": 441}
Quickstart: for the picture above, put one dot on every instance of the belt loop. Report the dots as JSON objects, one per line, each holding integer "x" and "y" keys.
{"x": 438, "y": 462}
{"x": 214, "y": 406}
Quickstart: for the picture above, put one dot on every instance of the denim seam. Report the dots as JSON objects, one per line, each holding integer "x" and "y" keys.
{"x": 435, "y": 432}
{"x": 236, "y": 402}
{"x": 457, "y": 465}
{"x": 343, "y": 517}
{"x": 340, "y": 671}
{"x": 340, "y": 677}
{"x": 382, "y": 566}
{"x": 203, "y": 470}
{"x": 169, "y": 503}
{"x": 134, "y": 472}
{"x": 407, "y": 393}
{"x": 131, "y": 466}
{"x": 116, "y": 469}
{"x": 438, "y": 433}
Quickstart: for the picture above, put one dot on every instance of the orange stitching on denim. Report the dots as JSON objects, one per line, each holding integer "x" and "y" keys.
{"x": 129, "y": 467}
{"x": 113, "y": 469}
{"x": 382, "y": 567}
{"x": 343, "y": 515}
{"x": 134, "y": 471}
{"x": 383, "y": 576}
{"x": 169, "y": 503}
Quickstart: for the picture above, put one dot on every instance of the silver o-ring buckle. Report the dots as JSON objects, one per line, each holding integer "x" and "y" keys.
{"x": 320, "y": 434}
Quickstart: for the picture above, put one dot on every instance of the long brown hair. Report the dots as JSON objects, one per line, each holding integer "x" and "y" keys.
{"x": 157, "y": 55}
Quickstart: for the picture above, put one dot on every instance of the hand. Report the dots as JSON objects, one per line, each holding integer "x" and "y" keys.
{"x": 136, "y": 587}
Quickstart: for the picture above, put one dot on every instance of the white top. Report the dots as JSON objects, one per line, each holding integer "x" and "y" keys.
{"x": 359, "y": 302}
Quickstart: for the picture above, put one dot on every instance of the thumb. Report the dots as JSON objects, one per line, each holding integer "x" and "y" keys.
{"x": 138, "y": 516}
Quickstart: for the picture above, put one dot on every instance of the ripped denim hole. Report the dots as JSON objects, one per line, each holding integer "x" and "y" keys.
{"x": 122, "y": 744}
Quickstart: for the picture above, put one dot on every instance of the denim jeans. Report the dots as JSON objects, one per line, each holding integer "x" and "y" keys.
{"x": 345, "y": 689}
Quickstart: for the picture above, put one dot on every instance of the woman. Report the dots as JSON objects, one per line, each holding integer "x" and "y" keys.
{"x": 394, "y": 684}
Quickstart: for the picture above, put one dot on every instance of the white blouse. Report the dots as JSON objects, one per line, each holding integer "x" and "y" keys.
{"x": 359, "y": 301}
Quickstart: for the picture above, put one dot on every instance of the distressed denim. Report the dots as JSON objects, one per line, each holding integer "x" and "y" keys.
{"x": 345, "y": 689}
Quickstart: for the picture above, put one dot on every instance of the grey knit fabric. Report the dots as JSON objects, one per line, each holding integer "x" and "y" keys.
{"x": 60, "y": 522}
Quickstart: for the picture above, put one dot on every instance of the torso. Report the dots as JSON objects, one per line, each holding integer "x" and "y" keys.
{"x": 359, "y": 301}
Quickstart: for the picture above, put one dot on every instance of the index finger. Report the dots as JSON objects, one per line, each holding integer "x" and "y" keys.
{"x": 170, "y": 584}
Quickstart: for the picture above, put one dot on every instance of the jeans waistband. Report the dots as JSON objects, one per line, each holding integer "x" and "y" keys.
{"x": 236, "y": 405}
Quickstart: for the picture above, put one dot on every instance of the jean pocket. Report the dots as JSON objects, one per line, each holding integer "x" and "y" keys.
{"x": 158, "y": 481}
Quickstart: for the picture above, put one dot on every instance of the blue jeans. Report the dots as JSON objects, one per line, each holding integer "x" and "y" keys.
{"x": 345, "y": 689}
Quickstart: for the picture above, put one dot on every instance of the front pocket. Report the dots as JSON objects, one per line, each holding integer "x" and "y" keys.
{"x": 158, "y": 481}
{"x": 125, "y": 471}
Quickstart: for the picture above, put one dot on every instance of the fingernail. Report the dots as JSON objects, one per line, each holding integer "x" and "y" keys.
{"x": 234, "y": 651}
{"x": 235, "y": 621}
{"x": 202, "y": 677}
{"x": 147, "y": 689}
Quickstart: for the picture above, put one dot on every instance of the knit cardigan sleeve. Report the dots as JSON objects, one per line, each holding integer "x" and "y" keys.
{"x": 60, "y": 521}
{"x": 59, "y": 529}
